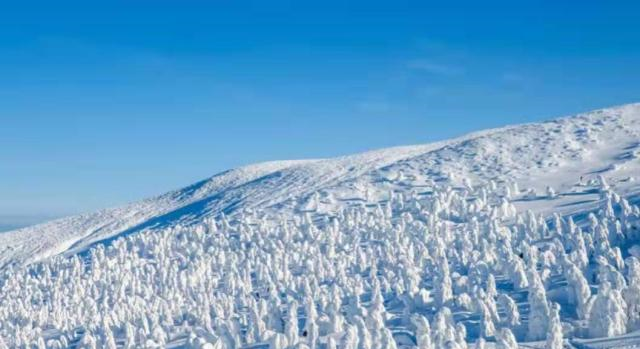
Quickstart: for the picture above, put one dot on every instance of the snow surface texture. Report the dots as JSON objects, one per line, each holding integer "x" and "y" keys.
{"x": 525, "y": 234}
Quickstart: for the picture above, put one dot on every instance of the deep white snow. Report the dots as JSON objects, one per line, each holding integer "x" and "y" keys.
{"x": 526, "y": 234}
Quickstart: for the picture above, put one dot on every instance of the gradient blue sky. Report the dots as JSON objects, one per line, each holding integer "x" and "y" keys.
{"x": 105, "y": 102}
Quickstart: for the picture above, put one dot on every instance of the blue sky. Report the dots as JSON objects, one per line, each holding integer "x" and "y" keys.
{"x": 102, "y": 103}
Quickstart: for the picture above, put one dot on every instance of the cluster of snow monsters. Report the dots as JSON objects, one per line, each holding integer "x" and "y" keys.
{"x": 451, "y": 268}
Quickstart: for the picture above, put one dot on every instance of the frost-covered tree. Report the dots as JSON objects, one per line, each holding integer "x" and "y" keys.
{"x": 579, "y": 290}
{"x": 505, "y": 339}
{"x": 554, "y": 331}
{"x": 511, "y": 316}
{"x": 480, "y": 343}
{"x": 350, "y": 339}
{"x": 386, "y": 339}
{"x": 364, "y": 336}
{"x": 461, "y": 336}
{"x": 518, "y": 273}
{"x": 491, "y": 290}
{"x": 608, "y": 314}
{"x": 109, "y": 340}
{"x": 278, "y": 341}
{"x": 291, "y": 326}
{"x": 487, "y": 327}
{"x": 442, "y": 282}
{"x": 423, "y": 332}
{"x": 538, "y": 308}
{"x": 631, "y": 294}
{"x": 443, "y": 329}
{"x": 87, "y": 341}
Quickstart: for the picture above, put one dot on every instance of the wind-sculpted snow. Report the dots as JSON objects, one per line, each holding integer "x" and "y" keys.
{"x": 526, "y": 234}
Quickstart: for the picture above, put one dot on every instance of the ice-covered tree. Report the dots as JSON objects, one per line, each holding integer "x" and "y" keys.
{"x": 538, "y": 308}
{"x": 579, "y": 290}
{"x": 480, "y": 343}
{"x": 505, "y": 339}
{"x": 607, "y": 315}
{"x": 511, "y": 316}
{"x": 364, "y": 336}
{"x": 423, "y": 332}
{"x": 291, "y": 325}
{"x": 631, "y": 294}
{"x": 278, "y": 341}
{"x": 487, "y": 327}
{"x": 350, "y": 339}
{"x": 87, "y": 341}
{"x": 554, "y": 330}
{"x": 442, "y": 283}
{"x": 386, "y": 339}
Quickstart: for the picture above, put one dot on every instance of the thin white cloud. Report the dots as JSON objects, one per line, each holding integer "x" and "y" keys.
{"x": 435, "y": 68}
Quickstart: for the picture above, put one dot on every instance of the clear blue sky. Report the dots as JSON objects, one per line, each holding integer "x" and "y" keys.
{"x": 105, "y": 102}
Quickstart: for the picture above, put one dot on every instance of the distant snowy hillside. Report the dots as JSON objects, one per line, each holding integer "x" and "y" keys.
{"x": 526, "y": 234}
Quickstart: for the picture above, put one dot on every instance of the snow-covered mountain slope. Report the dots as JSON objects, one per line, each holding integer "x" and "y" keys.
{"x": 556, "y": 153}
{"x": 520, "y": 237}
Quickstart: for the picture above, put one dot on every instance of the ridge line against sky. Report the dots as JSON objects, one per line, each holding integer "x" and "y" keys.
{"x": 109, "y": 103}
